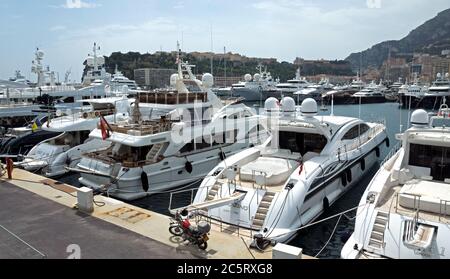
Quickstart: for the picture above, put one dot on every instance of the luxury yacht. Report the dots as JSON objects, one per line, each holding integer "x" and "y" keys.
{"x": 373, "y": 93}
{"x": 118, "y": 82}
{"x": 275, "y": 188}
{"x": 53, "y": 156}
{"x": 20, "y": 104}
{"x": 437, "y": 94}
{"x": 253, "y": 89}
{"x": 293, "y": 85}
{"x": 149, "y": 156}
{"x": 411, "y": 94}
{"x": 405, "y": 210}
{"x": 95, "y": 68}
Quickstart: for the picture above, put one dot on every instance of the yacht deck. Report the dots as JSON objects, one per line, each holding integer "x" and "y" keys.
{"x": 389, "y": 203}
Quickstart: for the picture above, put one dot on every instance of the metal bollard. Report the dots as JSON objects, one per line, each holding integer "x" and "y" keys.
{"x": 9, "y": 167}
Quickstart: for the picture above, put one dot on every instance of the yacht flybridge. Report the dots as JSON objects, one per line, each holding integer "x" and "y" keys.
{"x": 148, "y": 156}
{"x": 405, "y": 210}
{"x": 55, "y": 155}
{"x": 285, "y": 183}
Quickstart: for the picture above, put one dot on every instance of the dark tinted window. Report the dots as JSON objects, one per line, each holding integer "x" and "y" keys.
{"x": 302, "y": 143}
{"x": 436, "y": 158}
{"x": 356, "y": 131}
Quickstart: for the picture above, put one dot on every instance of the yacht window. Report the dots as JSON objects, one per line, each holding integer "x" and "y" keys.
{"x": 356, "y": 131}
{"x": 435, "y": 157}
{"x": 188, "y": 148}
{"x": 302, "y": 142}
{"x": 140, "y": 153}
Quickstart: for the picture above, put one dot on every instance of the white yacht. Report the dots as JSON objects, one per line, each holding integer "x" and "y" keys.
{"x": 373, "y": 93}
{"x": 405, "y": 211}
{"x": 54, "y": 155}
{"x": 253, "y": 88}
{"x": 310, "y": 161}
{"x": 293, "y": 85}
{"x": 436, "y": 95}
{"x": 148, "y": 156}
{"x": 118, "y": 82}
{"x": 95, "y": 68}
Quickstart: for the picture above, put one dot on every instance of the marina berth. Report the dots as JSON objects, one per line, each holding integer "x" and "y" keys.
{"x": 275, "y": 188}
{"x": 404, "y": 212}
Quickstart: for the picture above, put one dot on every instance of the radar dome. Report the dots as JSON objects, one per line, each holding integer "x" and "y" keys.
{"x": 309, "y": 107}
{"x": 173, "y": 80}
{"x": 248, "y": 77}
{"x": 419, "y": 117}
{"x": 438, "y": 75}
{"x": 257, "y": 77}
{"x": 272, "y": 104}
{"x": 446, "y": 75}
{"x": 208, "y": 80}
{"x": 288, "y": 104}
{"x": 40, "y": 54}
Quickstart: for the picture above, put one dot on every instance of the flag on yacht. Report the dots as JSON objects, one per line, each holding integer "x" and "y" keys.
{"x": 104, "y": 126}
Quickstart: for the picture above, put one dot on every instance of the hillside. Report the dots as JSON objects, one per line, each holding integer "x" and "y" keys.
{"x": 128, "y": 62}
{"x": 431, "y": 37}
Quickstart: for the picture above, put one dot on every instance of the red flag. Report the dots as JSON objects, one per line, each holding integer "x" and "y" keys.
{"x": 104, "y": 126}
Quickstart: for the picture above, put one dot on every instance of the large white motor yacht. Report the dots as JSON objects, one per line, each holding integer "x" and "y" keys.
{"x": 405, "y": 210}
{"x": 148, "y": 156}
{"x": 274, "y": 189}
{"x": 55, "y": 155}
{"x": 293, "y": 85}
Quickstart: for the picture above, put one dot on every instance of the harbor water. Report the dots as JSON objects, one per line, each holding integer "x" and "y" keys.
{"x": 314, "y": 238}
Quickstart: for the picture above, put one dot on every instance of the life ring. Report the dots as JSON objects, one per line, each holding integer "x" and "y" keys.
{"x": 97, "y": 114}
{"x": 188, "y": 167}
{"x": 85, "y": 115}
{"x": 144, "y": 180}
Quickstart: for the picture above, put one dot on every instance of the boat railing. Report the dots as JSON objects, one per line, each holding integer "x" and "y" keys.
{"x": 361, "y": 140}
{"x": 191, "y": 191}
{"x": 392, "y": 153}
{"x": 144, "y": 128}
{"x": 172, "y": 97}
{"x": 443, "y": 205}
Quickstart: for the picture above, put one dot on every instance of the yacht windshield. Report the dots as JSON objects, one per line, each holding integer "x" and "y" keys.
{"x": 302, "y": 142}
{"x": 437, "y": 158}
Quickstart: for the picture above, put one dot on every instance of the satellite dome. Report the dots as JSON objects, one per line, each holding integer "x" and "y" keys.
{"x": 173, "y": 80}
{"x": 101, "y": 60}
{"x": 446, "y": 75}
{"x": 40, "y": 54}
{"x": 419, "y": 118}
{"x": 248, "y": 77}
{"x": 309, "y": 107}
{"x": 257, "y": 77}
{"x": 438, "y": 75}
{"x": 208, "y": 80}
{"x": 288, "y": 104}
{"x": 272, "y": 104}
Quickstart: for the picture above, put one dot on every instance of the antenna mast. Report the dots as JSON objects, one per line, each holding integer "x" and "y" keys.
{"x": 212, "y": 52}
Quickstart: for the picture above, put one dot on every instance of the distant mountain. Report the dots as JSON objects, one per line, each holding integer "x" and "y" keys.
{"x": 431, "y": 37}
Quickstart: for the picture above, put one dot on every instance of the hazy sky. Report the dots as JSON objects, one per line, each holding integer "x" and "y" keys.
{"x": 283, "y": 29}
